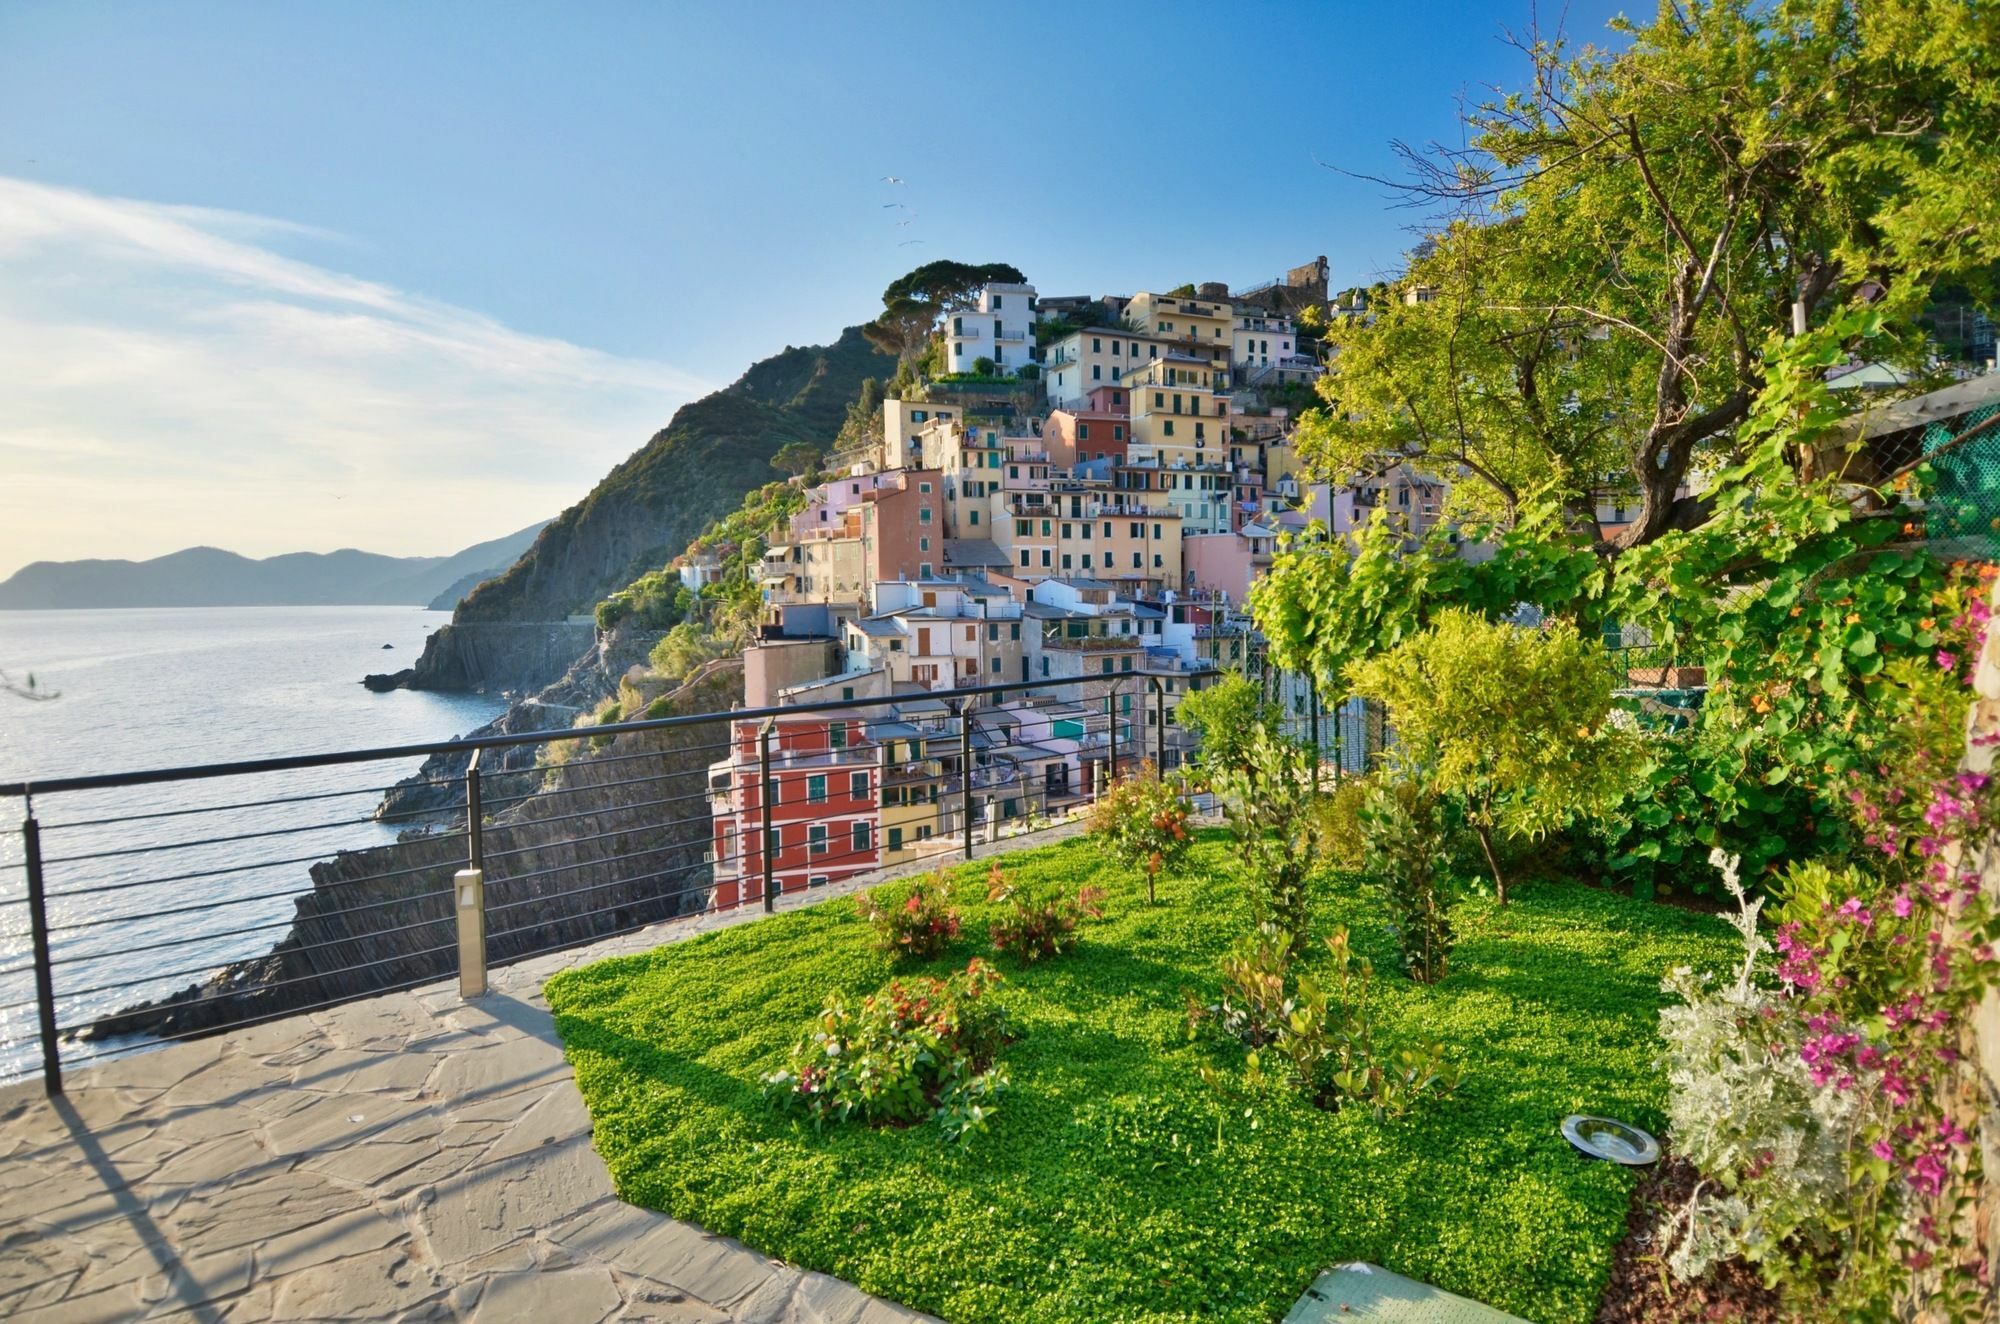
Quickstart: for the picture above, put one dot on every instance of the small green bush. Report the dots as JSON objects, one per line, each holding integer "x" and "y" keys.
{"x": 920, "y": 1047}
{"x": 917, "y": 922}
{"x": 1339, "y": 815}
{"x": 1268, "y": 801}
{"x": 1407, "y": 856}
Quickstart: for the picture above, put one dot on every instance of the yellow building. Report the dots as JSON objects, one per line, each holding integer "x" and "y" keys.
{"x": 1210, "y": 323}
{"x": 1179, "y": 412}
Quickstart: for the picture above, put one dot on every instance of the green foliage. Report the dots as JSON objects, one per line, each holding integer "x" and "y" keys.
{"x": 1341, "y": 838}
{"x": 1407, "y": 859}
{"x": 1631, "y": 227}
{"x": 656, "y": 600}
{"x": 698, "y": 469}
{"x": 983, "y": 367}
{"x": 1043, "y": 923}
{"x": 1513, "y": 721}
{"x": 914, "y": 303}
{"x": 916, "y": 921}
{"x": 799, "y": 458}
{"x": 1269, "y": 803}
{"x": 1144, "y": 821}
{"x": 1120, "y": 1186}
{"x": 1224, "y": 717}
{"x": 920, "y": 1047}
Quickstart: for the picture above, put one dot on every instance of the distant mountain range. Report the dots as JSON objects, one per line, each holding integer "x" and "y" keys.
{"x": 210, "y": 577}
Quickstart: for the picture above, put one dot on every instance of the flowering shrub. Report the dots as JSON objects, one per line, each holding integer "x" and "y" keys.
{"x": 1042, "y": 924}
{"x": 1145, "y": 822}
{"x": 1878, "y": 968}
{"x": 919, "y": 924}
{"x": 1316, "y": 1028}
{"x": 920, "y": 1047}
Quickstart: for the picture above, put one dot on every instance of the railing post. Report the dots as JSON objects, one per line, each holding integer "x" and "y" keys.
{"x": 468, "y": 887}
{"x": 965, "y": 771}
{"x": 1159, "y": 724}
{"x": 45, "y": 990}
{"x": 1111, "y": 708}
{"x": 1312, "y": 695}
{"x": 764, "y": 851}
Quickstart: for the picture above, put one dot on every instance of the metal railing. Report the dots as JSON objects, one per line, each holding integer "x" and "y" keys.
{"x": 164, "y": 904}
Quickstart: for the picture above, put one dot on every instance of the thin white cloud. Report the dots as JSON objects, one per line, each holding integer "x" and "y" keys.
{"x": 171, "y": 378}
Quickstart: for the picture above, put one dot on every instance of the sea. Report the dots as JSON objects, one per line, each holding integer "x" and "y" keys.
{"x": 173, "y": 687}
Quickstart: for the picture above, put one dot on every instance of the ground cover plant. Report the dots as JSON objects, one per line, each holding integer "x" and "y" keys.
{"x": 1113, "y": 1182}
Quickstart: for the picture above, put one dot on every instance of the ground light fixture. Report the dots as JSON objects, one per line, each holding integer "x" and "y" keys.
{"x": 1604, "y": 1138}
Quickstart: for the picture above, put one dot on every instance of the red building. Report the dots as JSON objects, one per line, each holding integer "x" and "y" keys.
{"x": 825, "y": 783}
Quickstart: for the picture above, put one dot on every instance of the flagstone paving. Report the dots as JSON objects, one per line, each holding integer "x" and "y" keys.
{"x": 410, "y": 1156}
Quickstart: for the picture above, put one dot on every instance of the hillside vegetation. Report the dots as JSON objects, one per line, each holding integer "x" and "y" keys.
{"x": 694, "y": 471}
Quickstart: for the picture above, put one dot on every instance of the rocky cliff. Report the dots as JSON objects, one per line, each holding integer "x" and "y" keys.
{"x": 613, "y": 839}
{"x": 645, "y": 511}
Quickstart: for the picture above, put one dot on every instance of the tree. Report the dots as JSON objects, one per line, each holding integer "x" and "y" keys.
{"x": 1268, "y": 801}
{"x": 1619, "y": 240}
{"x": 914, "y": 303}
{"x": 1224, "y": 718}
{"x": 983, "y": 367}
{"x": 797, "y": 458}
{"x": 1144, "y": 821}
{"x": 1511, "y": 720}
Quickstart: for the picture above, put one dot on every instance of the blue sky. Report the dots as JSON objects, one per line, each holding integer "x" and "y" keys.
{"x": 381, "y": 232}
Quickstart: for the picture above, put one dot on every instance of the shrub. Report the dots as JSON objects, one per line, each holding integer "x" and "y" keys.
{"x": 1144, "y": 821}
{"x": 1407, "y": 856}
{"x": 982, "y": 366}
{"x": 1339, "y": 816}
{"x": 918, "y": 923}
{"x": 1042, "y": 924}
{"x": 1316, "y": 1027}
{"x": 1513, "y": 721}
{"x": 920, "y": 1047}
{"x": 1268, "y": 801}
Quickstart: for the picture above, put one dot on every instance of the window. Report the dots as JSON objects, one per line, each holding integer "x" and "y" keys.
{"x": 857, "y": 785}
{"x": 924, "y": 488}
{"x": 1158, "y": 561}
{"x": 895, "y": 838}
{"x": 993, "y": 631}
{"x": 1118, "y": 432}
{"x": 923, "y": 514}
{"x": 1096, "y": 345}
{"x": 1138, "y": 529}
{"x": 1024, "y": 528}
{"x": 1024, "y": 558}
{"x": 862, "y": 837}
{"x": 1046, "y": 526}
{"x": 1105, "y": 666}
{"x": 816, "y": 790}
{"x": 774, "y": 840}
{"x": 1159, "y": 399}
{"x": 1125, "y": 664}
{"x": 836, "y": 735}
{"x": 1136, "y": 564}
{"x": 1067, "y": 533}
{"x": 958, "y": 326}
{"x": 1096, "y": 372}
{"x": 1045, "y": 558}
{"x": 816, "y": 838}
{"x": 975, "y": 516}
{"x": 996, "y": 302}
{"x": 1167, "y": 428}
{"x": 1014, "y": 630}
{"x": 971, "y": 633}
{"x": 1156, "y": 530}
{"x": 996, "y": 666}
{"x": 1013, "y": 471}
{"x": 817, "y": 880}
{"x": 924, "y": 570}
{"x": 1083, "y": 432}
{"x": 924, "y": 544}
{"x": 1066, "y": 564}
{"x": 1086, "y": 561}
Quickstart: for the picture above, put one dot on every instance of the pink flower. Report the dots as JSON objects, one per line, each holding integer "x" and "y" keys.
{"x": 1928, "y": 1174}
{"x": 1883, "y": 1150}
{"x": 1946, "y": 661}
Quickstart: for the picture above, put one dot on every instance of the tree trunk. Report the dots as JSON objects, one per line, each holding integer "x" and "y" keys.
{"x": 1485, "y": 835}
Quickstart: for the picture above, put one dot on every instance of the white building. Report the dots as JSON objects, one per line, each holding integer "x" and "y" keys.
{"x": 1261, "y": 339}
{"x": 1000, "y": 328}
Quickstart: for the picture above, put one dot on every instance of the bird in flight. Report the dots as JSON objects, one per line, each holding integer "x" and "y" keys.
{"x": 907, "y": 242}
{"x": 891, "y": 179}
{"x": 887, "y": 205}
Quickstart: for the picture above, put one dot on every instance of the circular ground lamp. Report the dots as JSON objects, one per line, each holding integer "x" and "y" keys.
{"x": 1603, "y": 1138}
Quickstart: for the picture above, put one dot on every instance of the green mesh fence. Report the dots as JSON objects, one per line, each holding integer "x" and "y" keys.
{"x": 1964, "y": 516}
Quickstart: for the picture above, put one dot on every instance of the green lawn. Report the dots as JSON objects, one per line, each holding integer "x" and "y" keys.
{"x": 1114, "y": 1184}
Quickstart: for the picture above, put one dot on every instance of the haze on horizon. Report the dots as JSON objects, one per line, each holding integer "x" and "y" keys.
{"x": 283, "y": 279}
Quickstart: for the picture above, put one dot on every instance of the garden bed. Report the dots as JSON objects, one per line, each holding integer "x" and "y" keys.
{"x": 1114, "y": 1184}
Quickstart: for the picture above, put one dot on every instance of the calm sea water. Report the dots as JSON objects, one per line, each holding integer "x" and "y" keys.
{"x": 158, "y": 688}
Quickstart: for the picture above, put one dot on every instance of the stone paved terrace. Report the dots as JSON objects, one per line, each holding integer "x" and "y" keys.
{"x": 409, "y": 1156}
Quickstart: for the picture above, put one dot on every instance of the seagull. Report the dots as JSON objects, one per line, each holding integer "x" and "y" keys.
{"x": 907, "y": 242}
{"x": 891, "y": 179}
{"x": 911, "y": 221}
{"x": 888, "y": 205}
